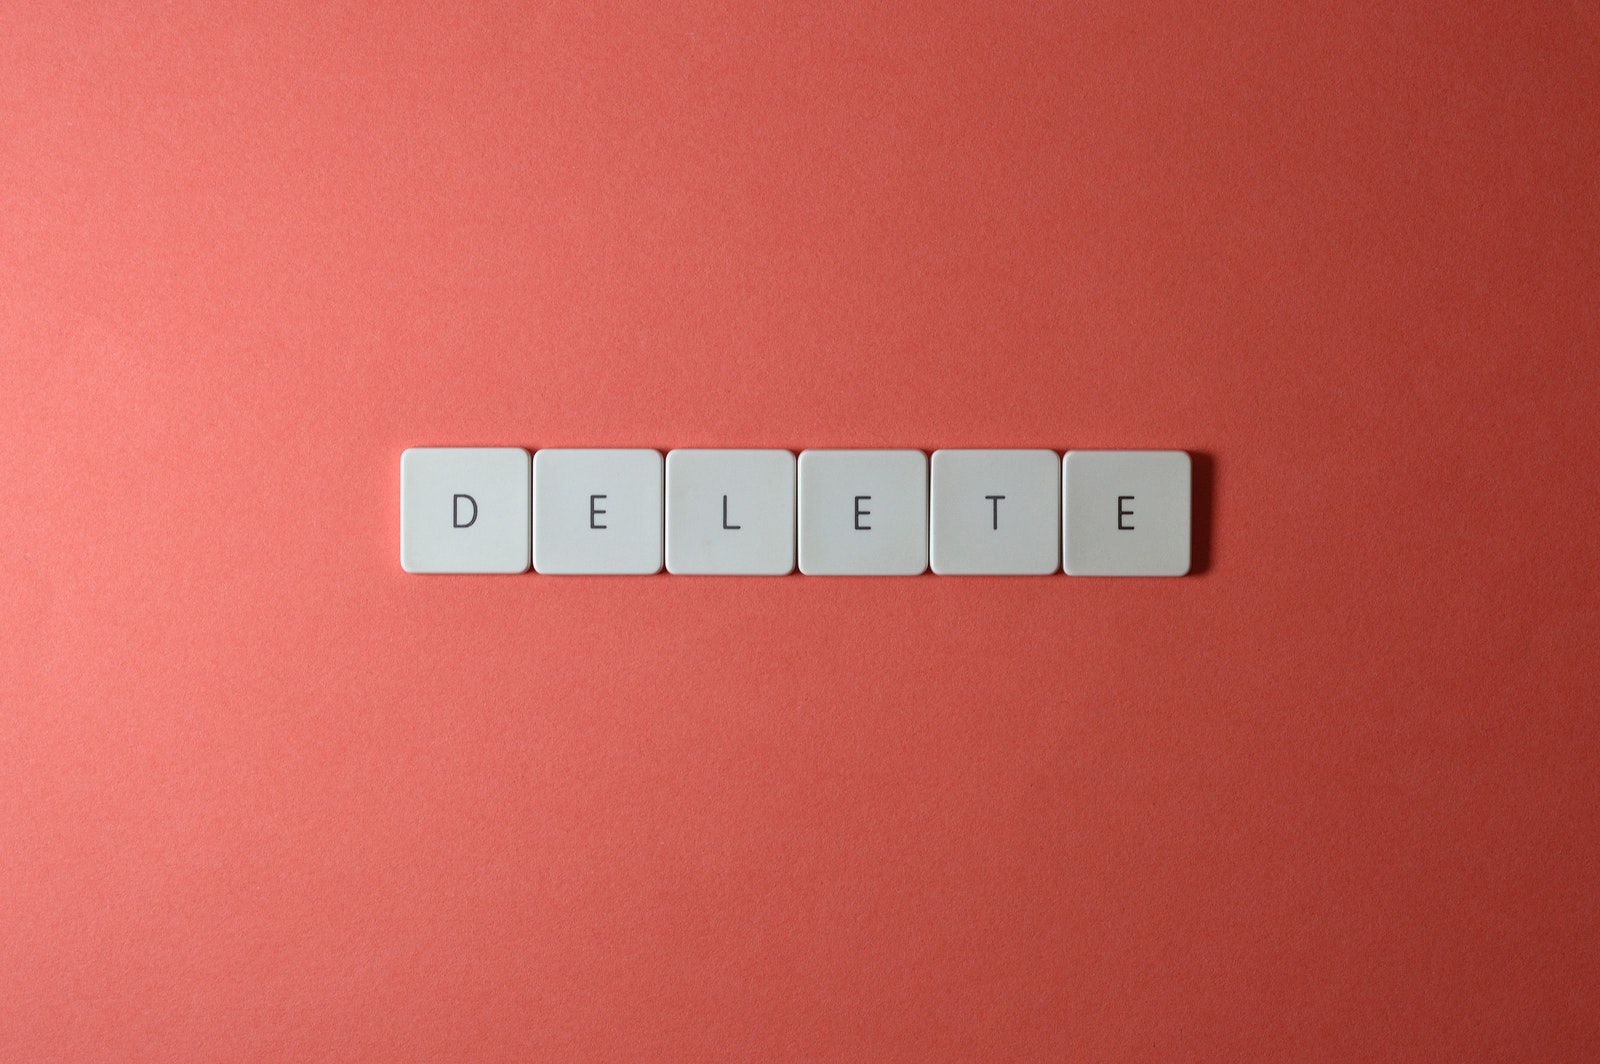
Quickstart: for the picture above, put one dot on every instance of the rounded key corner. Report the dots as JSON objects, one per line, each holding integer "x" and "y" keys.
{"x": 507, "y": 572}
{"x": 1165, "y": 576}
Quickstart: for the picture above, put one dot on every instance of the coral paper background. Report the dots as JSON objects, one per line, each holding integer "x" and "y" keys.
{"x": 264, "y": 797}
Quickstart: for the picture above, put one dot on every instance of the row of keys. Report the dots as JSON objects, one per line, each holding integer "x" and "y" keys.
{"x": 753, "y": 512}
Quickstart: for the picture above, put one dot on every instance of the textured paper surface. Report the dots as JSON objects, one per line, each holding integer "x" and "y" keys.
{"x": 265, "y": 797}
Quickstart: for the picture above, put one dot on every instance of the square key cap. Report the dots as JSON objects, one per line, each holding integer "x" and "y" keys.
{"x": 996, "y": 512}
{"x": 597, "y": 511}
{"x": 730, "y": 512}
{"x": 1126, "y": 513}
{"x": 863, "y": 513}
{"x": 464, "y": 510}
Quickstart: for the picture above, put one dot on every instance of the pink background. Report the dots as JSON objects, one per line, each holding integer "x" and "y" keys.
{"x": 265, "y": 797}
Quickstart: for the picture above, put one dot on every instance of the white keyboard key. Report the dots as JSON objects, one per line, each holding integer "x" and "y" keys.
{"x": 597, "y": 511}
{"x": 863, "y": 513}
{"x": 996, "y": 512}
{"x": 730, "y": 512}
{"x": 464, "y": 510}
{"x": 1126, "y": 513}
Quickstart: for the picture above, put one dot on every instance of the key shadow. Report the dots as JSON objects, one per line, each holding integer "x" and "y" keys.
{"x": 1202, "y": 502}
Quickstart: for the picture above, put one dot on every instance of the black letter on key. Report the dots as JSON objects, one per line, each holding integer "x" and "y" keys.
{"x": 860, "y": 513}
{"x": 595, "y": 511}
{"x": 1121, "y": 513}
{"x": 455, "y": 511}
{"x": 996, "y": 499}
{"x": 725, "y": 516}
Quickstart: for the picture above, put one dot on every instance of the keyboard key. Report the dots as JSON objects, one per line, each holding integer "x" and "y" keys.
{"x": 464, "y": 510}
{"x": 1126, "y": 513}
{"x": 730, "y": 512}
{"x": 597, "y": 511}
{"x": 863, "y": 513}
{"x": 996, "y": 512}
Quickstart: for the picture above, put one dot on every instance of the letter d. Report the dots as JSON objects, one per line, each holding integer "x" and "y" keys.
{"x": 456, "y": 511}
